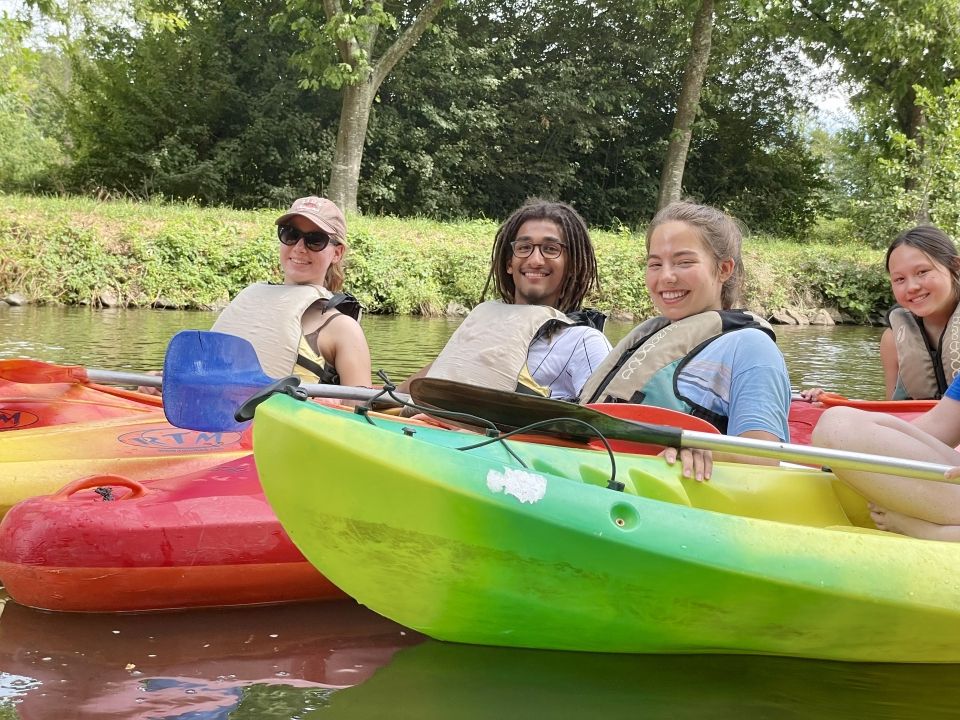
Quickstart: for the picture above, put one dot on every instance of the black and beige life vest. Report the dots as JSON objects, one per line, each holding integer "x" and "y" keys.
{"x": 489, "y": 349}
{"x": 644, "y": 366}
{"x": 270, "y": 317}
{"x": 925, "y": 372}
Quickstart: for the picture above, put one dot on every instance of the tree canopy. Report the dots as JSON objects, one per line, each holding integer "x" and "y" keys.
{"x": 240, "y": 103}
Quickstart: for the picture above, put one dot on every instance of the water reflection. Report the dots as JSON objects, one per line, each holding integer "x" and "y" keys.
{"x": 454, "y": 682}
{"x": 262, "y": 662}
{"x": 841, "y": 358}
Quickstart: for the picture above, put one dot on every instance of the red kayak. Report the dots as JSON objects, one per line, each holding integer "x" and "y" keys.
{"x": 108, "y": 543}
{"x": 804, "y": 415}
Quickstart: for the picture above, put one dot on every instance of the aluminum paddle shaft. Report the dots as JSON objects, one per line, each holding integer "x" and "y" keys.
{"x": 803, "y": 454}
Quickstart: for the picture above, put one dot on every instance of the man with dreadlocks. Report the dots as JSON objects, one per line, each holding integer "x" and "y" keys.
{"x": 536, "y": 338}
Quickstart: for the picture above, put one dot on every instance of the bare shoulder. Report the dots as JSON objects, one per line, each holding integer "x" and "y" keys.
{"x": 886, "y": 342}
{"x": 342, "y": 326}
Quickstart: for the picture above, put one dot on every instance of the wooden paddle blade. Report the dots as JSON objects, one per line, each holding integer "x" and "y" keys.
{"x": 36, "y": 371}
{"x": 512, "y": 410}
{"x": 207, "y": 376}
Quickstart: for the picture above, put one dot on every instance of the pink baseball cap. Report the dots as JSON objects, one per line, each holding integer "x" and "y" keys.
{"x": 321, "y": 212}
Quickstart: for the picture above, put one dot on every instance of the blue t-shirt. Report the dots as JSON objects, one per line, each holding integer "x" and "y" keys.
{"x": 743, "y": 376}
{"x": 953, "y": 392}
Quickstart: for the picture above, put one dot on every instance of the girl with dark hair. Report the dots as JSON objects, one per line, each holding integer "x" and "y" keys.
{"x": 920, "y": 352}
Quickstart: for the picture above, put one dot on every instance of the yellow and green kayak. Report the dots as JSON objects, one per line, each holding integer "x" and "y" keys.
{"x": 524, "y": 545}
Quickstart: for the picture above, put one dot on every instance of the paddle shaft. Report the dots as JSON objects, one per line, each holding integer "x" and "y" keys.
{"x": 347, "y": 392}
{"x": 334, "y": 392}
{"x": 787, "y": 452}
{"x": 111, "y": 377}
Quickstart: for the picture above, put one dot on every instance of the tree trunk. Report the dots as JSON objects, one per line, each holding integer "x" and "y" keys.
{"x": 910, "y": 118}
{"x": 351, "y": 136}
{"x": 671, "y": 177}
{"x": 357, "y": 99}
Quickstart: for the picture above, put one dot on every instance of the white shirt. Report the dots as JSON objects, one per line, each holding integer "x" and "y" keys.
{"x": 565, "y": 361}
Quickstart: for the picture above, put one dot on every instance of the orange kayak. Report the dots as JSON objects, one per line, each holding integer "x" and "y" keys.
{"x": 36, "y": 405}
{"x": 896, "y": 407}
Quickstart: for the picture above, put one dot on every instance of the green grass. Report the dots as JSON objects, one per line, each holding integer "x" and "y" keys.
{"x": 71, "y": 250}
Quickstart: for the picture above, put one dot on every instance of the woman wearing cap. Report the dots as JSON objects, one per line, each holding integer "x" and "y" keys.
{"x": 306, "y": 325}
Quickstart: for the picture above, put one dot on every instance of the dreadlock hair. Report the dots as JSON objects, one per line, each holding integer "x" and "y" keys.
{"x": 721, "y": 235}
{"x": 581, "y": 268}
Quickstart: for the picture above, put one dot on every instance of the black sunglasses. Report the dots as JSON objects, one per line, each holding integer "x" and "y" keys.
{"x": 315, "y": 241}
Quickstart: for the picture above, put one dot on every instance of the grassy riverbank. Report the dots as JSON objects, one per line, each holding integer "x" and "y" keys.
{"x": 76, "y": 251}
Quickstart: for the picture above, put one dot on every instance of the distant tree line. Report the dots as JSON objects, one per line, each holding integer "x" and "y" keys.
{"x": 234, "y": 102}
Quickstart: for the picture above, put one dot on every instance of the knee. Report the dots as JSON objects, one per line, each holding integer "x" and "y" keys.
{"x": 836, "y": 424}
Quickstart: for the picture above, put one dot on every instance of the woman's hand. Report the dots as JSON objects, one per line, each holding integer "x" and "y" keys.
{"x": 694, "y": 463}
{"x": 812, "y": 394}
{"x": 149, "y": 389}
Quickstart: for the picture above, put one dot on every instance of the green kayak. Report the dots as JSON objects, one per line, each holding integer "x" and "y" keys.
{"x": 521, "y": 544}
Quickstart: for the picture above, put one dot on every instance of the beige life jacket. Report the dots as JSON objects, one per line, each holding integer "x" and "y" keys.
{"x": 925, "y": 372}
{"x": 642, "y": 366}
{"x": 270, "y": 316}
{"x": 489, "y": 349}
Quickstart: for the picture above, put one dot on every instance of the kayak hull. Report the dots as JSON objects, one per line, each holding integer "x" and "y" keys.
{"x": 108, "y": 543}
{"x": 39, "y": 461}
{"x": 471, "y": 547}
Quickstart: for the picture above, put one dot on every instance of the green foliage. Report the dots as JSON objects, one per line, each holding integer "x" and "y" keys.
{"x": 29, "y": 153}
{"x": 904, "y": 181}
{"x": 856, "y": 288}
{"x": 621, "y": 260}
{"x": 831, "y": 231}
{"x": 231, "y": 103}
{"x": 885, "y": 48}
{"x": 571, "y": 101}
{"x": 69, "y": 251}
{"x": 416, "y": 266}
{"x": 208, "y": 110}
{"x": 356, "y": 27}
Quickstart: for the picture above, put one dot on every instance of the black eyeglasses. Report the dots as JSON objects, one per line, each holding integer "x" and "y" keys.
{"x": 315, "y": 241}
{"x": 549, "y": 250}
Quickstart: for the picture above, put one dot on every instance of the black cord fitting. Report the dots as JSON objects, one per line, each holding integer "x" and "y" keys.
{"x": 409, "y": 431}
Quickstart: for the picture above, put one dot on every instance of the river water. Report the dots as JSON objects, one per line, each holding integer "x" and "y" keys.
{"x": 841, "y": 358}
{"x": 338, "y": 660}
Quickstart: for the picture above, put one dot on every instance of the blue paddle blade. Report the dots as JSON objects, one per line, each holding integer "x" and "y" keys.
{"x": 206, "y": 377}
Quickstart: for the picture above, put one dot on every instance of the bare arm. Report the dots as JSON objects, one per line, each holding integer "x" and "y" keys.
{"x": 942, "y": 422}
{"x": 752, "y": 459}
{"x": 344, "y": 346}
{"x": 889, "y": 361}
